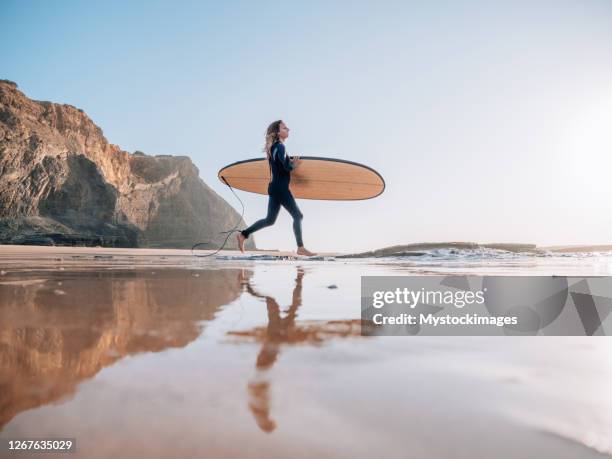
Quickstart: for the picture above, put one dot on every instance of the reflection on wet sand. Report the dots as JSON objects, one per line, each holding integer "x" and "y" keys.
{"x": 60, "y": 329}
{"x": 284, "y": 331}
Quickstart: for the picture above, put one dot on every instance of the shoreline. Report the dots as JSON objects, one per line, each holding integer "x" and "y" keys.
{"x": 45, "y": 250}
{"x": 42, "y": 250}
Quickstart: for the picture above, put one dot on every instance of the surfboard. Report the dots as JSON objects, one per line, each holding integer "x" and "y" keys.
{"x": 315, "y": 178}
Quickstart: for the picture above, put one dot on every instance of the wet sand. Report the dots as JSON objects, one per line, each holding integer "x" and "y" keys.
{"x": 158, "y": 354}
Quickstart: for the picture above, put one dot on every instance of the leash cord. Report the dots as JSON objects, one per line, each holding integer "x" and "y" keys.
{"x": 229, "y": 233}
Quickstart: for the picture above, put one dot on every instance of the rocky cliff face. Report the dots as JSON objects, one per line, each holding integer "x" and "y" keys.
{"x": 61, "y": 182}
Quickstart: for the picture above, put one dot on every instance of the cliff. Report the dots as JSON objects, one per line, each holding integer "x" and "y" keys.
{"x": 62, "y": 183}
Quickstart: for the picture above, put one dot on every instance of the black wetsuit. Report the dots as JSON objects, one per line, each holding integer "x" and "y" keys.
{"x": 278, "y": 190}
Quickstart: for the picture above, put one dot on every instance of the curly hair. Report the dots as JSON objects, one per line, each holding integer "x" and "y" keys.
{"x": 271, "y": 136}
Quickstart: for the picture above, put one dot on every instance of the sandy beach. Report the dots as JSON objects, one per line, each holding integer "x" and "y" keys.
{"x": 156, "y": 353}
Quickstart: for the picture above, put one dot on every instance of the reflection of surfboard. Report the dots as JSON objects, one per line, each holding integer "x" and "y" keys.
{"x": 315, "y": 178}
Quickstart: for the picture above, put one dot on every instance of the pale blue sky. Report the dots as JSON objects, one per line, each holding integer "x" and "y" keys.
{"x": 490, "y": 121}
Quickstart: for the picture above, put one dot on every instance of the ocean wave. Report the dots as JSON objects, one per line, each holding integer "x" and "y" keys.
{"x": 466, "y": 251}
{"x": 597, "y": 441}
{"x": 449, "y": 254}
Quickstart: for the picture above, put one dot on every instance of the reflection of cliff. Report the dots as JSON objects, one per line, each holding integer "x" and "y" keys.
{"x": 59, "y": 331}
{"x": 284, "y": 331}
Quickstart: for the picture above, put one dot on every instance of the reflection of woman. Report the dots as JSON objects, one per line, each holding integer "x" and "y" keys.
{"x": 282, "y": 329}
{"x": 278, "y": 188}
{"x": 279, "y": 328}
{"x": 278, "y": 332}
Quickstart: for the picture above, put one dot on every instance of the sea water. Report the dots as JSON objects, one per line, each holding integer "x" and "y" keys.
{"x": 180, "y": 357}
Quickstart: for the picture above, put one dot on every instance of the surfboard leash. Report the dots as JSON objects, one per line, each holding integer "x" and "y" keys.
{"x": 229, "y": 233}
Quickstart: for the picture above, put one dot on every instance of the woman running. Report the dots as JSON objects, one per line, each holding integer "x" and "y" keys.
{"x": 278, "y": 188}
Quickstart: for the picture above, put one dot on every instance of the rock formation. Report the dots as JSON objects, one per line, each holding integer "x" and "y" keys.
{"x": 62, "y": 183}
{"x": 421, "y": 248}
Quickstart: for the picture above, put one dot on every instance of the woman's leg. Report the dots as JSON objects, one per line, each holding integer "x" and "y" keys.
{"x": 288, "y": 202}
{"x": 273, "y": 209}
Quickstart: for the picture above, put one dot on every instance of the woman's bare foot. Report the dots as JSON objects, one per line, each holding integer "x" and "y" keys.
{"x": 305, "y": 252}
{"x": 241, "y": 240}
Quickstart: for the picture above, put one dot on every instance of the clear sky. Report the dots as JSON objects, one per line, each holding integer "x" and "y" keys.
{"x": 489, "y": 120}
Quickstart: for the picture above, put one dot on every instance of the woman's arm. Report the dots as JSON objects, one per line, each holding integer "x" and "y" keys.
{"x": 284, "y": 159}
